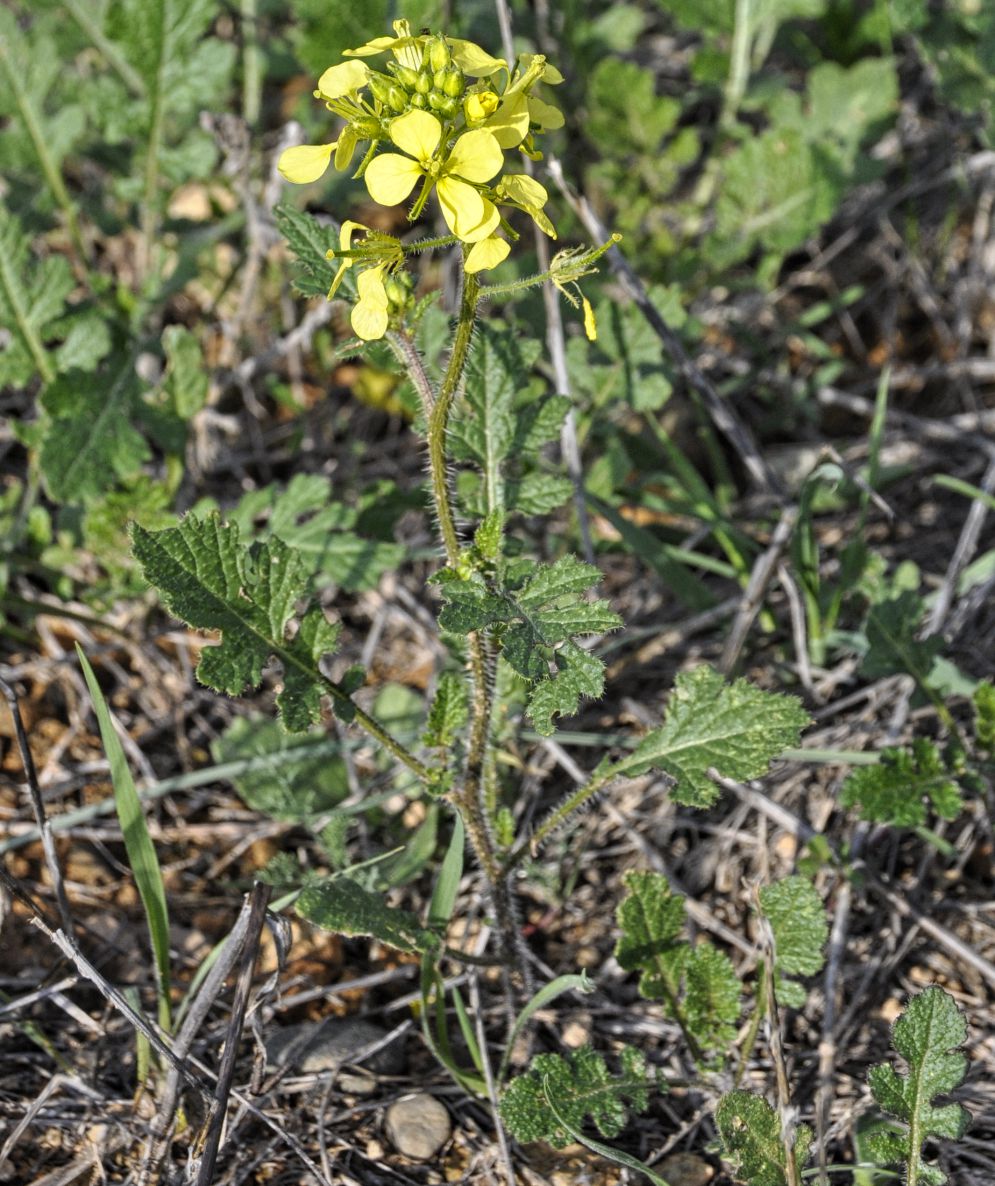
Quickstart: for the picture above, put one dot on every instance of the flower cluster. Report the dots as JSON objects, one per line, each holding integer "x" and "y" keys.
{"x": 438, "y": 117}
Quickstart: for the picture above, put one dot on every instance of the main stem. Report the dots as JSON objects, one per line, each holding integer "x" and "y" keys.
{"x": 468, "y": 798}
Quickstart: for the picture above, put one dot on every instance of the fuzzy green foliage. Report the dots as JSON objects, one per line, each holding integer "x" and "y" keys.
{"x": 309, "y": 239}
{"x": 306, "y": 517}
{"x": 892, "y": 643}
{"x": 210, "y": 580}
{"x": 926, "y": 1035}
{"x": 752, "y": 1139}
{"x": 539, "y": 611}
{"x": 902, "y": 788}
{"x": 577, "y": 1086}
{"x": 697, "y": 983}
{"x": 984, "y": 716}
{"x": 449, "y": 711}
{"x": 736, "y": 728}
{"x": 501, "y": 425}
{"x": 345, "y": 907}
{"x": 798, "y": 921}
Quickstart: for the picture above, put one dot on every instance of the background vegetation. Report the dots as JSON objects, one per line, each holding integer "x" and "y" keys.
{"x": 785, "y": 467}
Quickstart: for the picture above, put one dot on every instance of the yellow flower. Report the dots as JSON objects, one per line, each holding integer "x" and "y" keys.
{"x": 523, "y": 191}
{"x": 345, "y": 79}
{"x": 479, "y": 105}
{"x": 488, "y": 253}
{"x": 473, "y": 159}
{"x": 408, "y": 50}
{"x": 345, "y": 244}
{"x": 369, "y": 317}
{"x": 305, "y": 162}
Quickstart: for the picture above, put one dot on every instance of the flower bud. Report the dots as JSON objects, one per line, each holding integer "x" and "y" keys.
{"x": 437, "y": 53}
{"x": 380, "y": 86}
{"x": 407, "y": 77}
{"x": 397, "y": 99}
{"x": 454, "y": 84}
{"x": 419, "y": 101}
{"x": 445, "y": 106}
{"x": 423, "y": 83}
{"x": 439, "y": 80}
{"x": 395, "y": 292}
{"x": 480, "y": 105}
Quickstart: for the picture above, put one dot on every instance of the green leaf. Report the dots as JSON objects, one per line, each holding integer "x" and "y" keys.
{"x": 651, "y": 918}
{"x": 736, "y": 728}
{"x": 186, "y": 376}
{"x": 304, "y": 778}
{"x": 798, "y": 919}
{"x": 32, "y": 296}
{"x": 343, "y": 906}
{"x": 751, "y": 1139}
{"x": 90, "y": 441}
{"x": 581, "y": 1085}
{"x": 211, "y": 581}
{"x": 142, "y": 856}
{"x": 449, "y": 711}
{"x": 898, "y": 789}
{"x": 440, "y": 909}
{"x": 711, "y": 997}
{"x": 309, "y": 240}
{"x": 307, "y": 518}
{"x": 984, "y": 716}
{"x": 893, "y": 647}
{"x": 926, "y": 1035}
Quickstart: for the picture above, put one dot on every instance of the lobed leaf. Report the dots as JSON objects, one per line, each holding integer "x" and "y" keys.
{"x": 449, "y": 711}
{"x": 752, "y": 1140}
{"x": 798, "y": 919}
{"x": 211, "y": 581}
{"x": 309, "y": 239}
{"x": 926, "y": 1035}
{"x": 898, "y": 789}
{"x": 736, "y": 728}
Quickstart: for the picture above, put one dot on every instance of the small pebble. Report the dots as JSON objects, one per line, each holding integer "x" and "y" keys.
{"x": 418, "y": 1126}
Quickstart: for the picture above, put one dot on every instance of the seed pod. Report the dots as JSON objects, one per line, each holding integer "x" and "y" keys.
{"x": 437, "y": 53}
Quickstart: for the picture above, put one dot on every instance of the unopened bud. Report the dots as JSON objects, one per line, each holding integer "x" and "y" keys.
{"x": 437, "y": 53}
{"x": 443, "y": 104}
{"x": 395, "y": 292}
{"x": 423, "y": 83}
{"x": 380, "y": 85}
{"x": 397, "y": 100}
{"x": 419, "y": 101}
{"x": 455, "y": 82}
{"x": 407, "y": 77}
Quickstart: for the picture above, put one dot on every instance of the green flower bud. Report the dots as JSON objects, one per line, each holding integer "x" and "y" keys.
{"x": 439, "y": 80}
{"x": 423, "y": 83}
{"x": 443, "y": 104}
{"x": 454, "y": 84}
{"x": 407, "y": 77}
{"x": 395, "y": 292}
{"x": 367, "y": 129}
{"x": 397, "y": 99}
{"x": 419, "y": 101}
{"x": 380, "y": 85}
{"x": 437, "y": 53}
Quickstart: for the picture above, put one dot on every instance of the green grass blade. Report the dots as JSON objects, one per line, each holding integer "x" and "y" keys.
{"x": 137, "y": 842}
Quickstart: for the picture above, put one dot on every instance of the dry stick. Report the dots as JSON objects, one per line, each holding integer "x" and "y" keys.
{"x": 967, "y": 544}
{"x": 723, "y": 417}
{"x": 799, "y": 633}
{"x": 258, "y": 899}
{"x": 805, "y": 832}
{"x": 753, "y": 595}
{"x": 38, "y": 807}
{"x": 489, "y": 1081}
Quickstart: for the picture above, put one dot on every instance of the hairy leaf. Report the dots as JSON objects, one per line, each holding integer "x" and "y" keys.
{"x": 580, "y": 1085}
{"x": 898, "y": 789}
{"x": 449, "y": 711}
{"x": 90, "y": 441}
{"x": 711, "y": 997}
{"x": 893, "y": 647}
{"x": 751, "y": 1139}
{"x": 984, "y": 716}
{"x": 345, "y": 907}
{"x": 926, "y": 1035}
{"x": 737, "y": 728}
{"x": 798, "y": 920}
{"x": 309, "y": 240}
{"x": 208, "y": 578}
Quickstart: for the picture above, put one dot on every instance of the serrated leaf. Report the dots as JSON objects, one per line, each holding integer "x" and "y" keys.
{"x": 449, "y": 711}
{"x": 751, "y": 1139}
{"x": 898, "y": 789}
{"x": 711, "y": 997}
{"x": 309, "y": 239}
{"x": 736, "y": 728}
{"x": 344, "y": 907}
{"x": 186, "y": 377}
{"x": 926, "y": 1035}
{"x": 211, "y": 581}
{"x": 307, "y": 518}
{"x": 581, "y": 1086}
{"x": 90, "y": 442}
{"x": 798, "y": 919}
{"x": 651, "y": 918}
{"x": 302, "y": 776}
{"x": 984, "y": 716}
{"x": 538, "y": 493}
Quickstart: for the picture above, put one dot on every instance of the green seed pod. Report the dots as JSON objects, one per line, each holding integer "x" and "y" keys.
{"x": 423, "y": 83}
{"x": 455, "y": 83}
{"x": 407, "y": 77}
{"x": 437, "y": 53}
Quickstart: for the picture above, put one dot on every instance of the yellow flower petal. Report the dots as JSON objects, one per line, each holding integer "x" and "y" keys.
{"x": 473, "y": 60}
{"x": 552, "y": 75}
{"x": 407, "y": 49}
{"x": 345, "y": 243}
{"x": 488, "y": 253}
{"x": 376, "y": 46}
{"x": 469, "y": 216}
{"x": 390, "y": 177}
{"x": 417, "y": 133}
{"x": 480, "y": 105}
{"x": 305, "y": 162}
{"x": 510, "y": 123}
{"x": 525, "y": 190}
{"x": 369, "y": 317}
{"x": 545, "y": 115}
{"x": 344, "y": 79}
{"x": 476, "y": 156}
{"x": 590, "y": 325}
